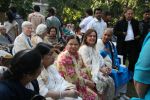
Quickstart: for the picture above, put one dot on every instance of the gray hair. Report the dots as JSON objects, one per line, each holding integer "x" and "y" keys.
{"x": 41, "y": 28}
{"x": 109, "y": 30}
{"x": 26, "y": 23}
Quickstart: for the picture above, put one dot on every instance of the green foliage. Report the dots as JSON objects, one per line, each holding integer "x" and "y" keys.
{"x": 116, "y": 7}
{"x": 4, "y": 5}
{"x": 23, "y": 6}
{"x": 70, "y": 10}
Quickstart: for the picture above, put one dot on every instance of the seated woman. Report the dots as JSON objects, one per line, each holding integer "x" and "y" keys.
{"x": 53, "y": 40}
{"x": 50, "y": 81}
{"x": 25, "y": 68}
{"x": 92, "y": 60}
{"x": 71, "y": 67}
{"x": 41, "y": 32}
{"x": 119, "y": 73}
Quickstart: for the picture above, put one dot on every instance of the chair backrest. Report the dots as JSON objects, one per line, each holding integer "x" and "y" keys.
{"x": 121, "y": 59}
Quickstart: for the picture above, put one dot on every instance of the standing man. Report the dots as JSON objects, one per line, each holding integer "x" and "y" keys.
{"x": 86, "y": 20}
{"x": 36, "y": 18}
{"x": 145, "y": 24}
{"x": 128, "y": 36}
{"x": 97, "y": 23}
{"x": 23, "y": 41}
{"x": 107, "y": 17}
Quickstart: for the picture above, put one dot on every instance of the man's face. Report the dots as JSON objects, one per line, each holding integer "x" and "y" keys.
{"x": 2, "y": 30}
{"x": 146, "y": 16}
{"x": 108, "y": 17}
{"x": 98, "y": 14}
{"x": 129, "y": 14}
{"x": 27, "y": 30}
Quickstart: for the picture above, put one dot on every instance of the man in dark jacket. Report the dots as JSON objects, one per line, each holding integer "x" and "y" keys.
{"x": 128, "y": 35}
{"x": 145, "y": 24}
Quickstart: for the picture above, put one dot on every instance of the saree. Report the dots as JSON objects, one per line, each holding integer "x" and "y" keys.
{"x": 71, "y": 68}
{"x": 120, "y": 73}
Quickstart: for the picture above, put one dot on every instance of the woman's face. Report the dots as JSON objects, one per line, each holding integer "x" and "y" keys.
{"x": 52, "y": 33}
{"x": 106, "y": 37}
{"x": 48, "y": 59}
{"x": 72, "y": 46}
{"x": 91, "y": 39}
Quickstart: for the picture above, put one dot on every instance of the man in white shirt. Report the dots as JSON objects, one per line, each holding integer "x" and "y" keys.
{"x": 86, "y": 20}
{"x": 36, "y": 18}
{"x": 98, "y": 23}
{"x": 23, "y": 41}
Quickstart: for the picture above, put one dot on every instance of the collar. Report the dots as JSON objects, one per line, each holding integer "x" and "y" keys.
{"x": 26, "y": 35}
{"x": 95, "y": 19}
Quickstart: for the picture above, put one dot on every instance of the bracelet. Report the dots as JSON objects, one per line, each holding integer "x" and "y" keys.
{"x": 60, "y": 94}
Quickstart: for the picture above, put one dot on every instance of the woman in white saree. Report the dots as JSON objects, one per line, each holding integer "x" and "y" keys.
{"x": 100, "y": 72}
{"x": 50, "y": 81}
{"x": 41, "y": 32}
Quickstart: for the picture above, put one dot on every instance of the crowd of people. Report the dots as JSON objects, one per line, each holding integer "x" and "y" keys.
{"x": 41, "y": 59}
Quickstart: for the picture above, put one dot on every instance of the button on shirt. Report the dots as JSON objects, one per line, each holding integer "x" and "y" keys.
{"x": 130, "y": 34}
{"x": 98, "y": 25}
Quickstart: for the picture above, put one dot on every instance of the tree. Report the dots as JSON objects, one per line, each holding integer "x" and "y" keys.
{"x": 70, "y": 10}
{"x": 23, "y": 7}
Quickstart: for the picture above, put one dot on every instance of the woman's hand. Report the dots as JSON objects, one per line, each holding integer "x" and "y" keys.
{"x": 71, "y": 93}
{"x": 89, "y": 83}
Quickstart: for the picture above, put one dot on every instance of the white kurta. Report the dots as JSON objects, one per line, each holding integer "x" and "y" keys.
{"x": 51, "y": 80}
{"x": 93, "y": 60}
{"x": 36, "y": 18}
{"x": 98, "y": 25}
{"x": 21, "y": 42}
{"x": 84, "y": 23}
